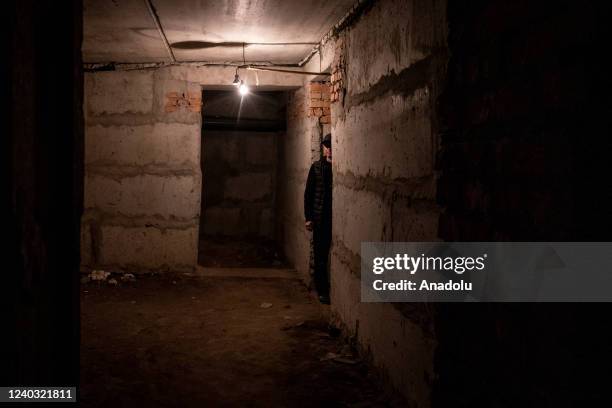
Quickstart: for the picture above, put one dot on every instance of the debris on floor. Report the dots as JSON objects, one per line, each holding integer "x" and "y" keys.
{"x": 99, "y": 275}
{"x": 163, "y": 331}
{"x": 265, "y": 305}
{"x": 128, "y": 277}
{"x": 112, "y": 282}
{"x": 329, "y": 356}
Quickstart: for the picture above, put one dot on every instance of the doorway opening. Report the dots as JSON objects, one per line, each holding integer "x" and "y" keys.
{"x": 239, "y": 161}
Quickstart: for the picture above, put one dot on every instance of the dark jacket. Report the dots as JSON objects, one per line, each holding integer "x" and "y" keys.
{"x": 318, "y": 193}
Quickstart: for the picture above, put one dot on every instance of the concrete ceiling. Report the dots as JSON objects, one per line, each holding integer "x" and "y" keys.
{"x": 207, "y": 31}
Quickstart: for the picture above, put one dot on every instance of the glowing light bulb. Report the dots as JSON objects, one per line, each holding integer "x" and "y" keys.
{"x": 243, "y": 89}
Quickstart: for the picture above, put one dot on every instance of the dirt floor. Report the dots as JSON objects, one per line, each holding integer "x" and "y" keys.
{"x": 216, "y": 341}
{"x": 236, "y": 253}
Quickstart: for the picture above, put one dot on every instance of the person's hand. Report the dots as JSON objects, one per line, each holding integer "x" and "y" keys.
{"x": 309, "y": 225}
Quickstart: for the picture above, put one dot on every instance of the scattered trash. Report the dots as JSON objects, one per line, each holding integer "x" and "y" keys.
{"x": 99, "y": 275}
{"x": 287, "y": 317}
{"x": 112, "y": 282}
{"x": 265, "y": 305}
{"x": 193, "y": 298}
{"x": 329, "y": 356}
{"x": 128, "y": 277}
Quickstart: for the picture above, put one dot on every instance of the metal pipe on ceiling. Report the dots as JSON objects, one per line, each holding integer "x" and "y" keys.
{"x": 286, "y": 71}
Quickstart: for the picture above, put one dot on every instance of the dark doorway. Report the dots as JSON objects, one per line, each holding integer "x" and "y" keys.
{"x": 239, "y": 164}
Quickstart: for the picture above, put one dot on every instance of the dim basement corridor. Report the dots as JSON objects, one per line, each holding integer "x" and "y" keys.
{"x": 169, "y": 175}
{"x": 217, "y": 337}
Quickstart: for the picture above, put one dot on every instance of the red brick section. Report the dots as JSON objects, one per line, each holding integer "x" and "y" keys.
{"x": 175, "y": 101}
{"x": 319, "y": 100}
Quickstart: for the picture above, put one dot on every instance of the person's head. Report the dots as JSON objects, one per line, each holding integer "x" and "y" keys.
{"x": 326, "y": 144}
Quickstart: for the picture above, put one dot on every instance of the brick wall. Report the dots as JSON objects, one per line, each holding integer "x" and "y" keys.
{"x": 319, "y": 101}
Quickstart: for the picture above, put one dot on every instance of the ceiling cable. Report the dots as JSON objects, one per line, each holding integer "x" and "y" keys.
{"x": 155, "y": 18}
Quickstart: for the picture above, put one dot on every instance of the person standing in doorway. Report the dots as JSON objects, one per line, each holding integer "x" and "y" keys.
{"x": 318, "y": 214}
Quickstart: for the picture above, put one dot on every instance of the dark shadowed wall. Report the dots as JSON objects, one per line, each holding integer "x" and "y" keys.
{"x": 42, "y": 160}
{"x": 525, "y": 125}
{"x": 239, "y": 162}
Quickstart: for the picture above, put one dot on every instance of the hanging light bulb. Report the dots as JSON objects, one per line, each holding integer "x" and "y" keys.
{"x": 243, "y": 88}
{"x": 237, "y": 80}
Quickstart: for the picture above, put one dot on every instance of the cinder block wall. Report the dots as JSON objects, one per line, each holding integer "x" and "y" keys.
{"x": 384, "y": 86}
{"x": 468, "y": 123}
{"x": 386, "y": 81}
{"x": 240, "y": 172}
{"x": 142, "y": 171}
